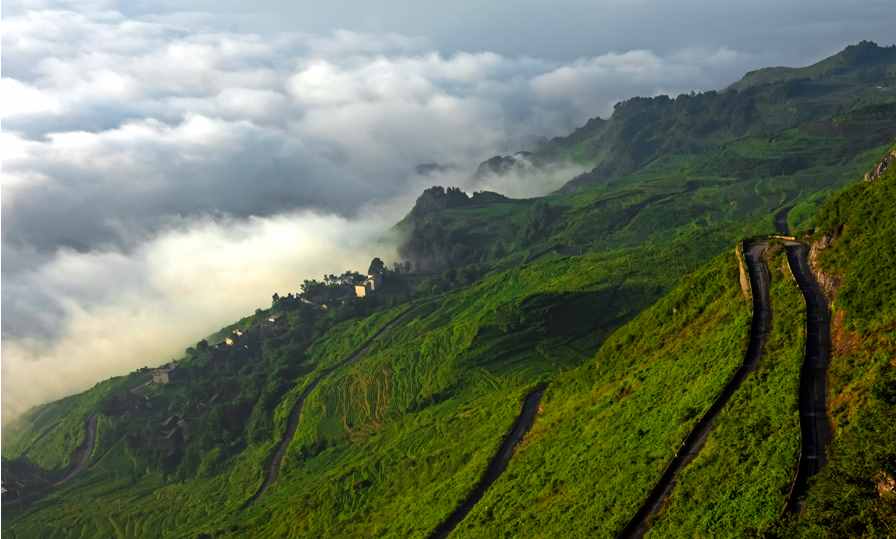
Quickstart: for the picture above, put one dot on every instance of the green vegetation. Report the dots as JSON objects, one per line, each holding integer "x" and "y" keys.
{"x": 852, "y": 496}
{"x": 49, "y": 433}
{"x": 621, "y": 292}
{"x": 627, "y": 409}
{"x": 853, "y": 63}
{"x": 738, "y": 484}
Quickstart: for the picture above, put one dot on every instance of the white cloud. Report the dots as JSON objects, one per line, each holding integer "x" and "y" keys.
{"x": 180, "y": 162}
{"x": 122, "y": 312}
{"x": 21, "y": 99}
{"x": 602, "y": 80}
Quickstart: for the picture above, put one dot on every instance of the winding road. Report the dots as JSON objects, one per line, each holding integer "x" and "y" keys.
{"x": 273, "y": 468}
{"x": 497, "y": 465}
{"x": 759, "y": 329}
{"x": 79, "y": 461}
{"x": 815, "y": 427}
{"x": 81, "y": 456}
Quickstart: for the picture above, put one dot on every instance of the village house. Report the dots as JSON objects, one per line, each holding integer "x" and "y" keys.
{"x": 164, "y": 374}
{"x": 371, "y": 284}
{"x": 233, "y": 338}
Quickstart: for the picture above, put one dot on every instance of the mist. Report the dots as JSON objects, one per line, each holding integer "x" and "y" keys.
{"x": 165, "y": 172}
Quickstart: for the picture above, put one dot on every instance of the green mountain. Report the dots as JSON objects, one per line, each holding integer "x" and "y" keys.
{"x": 542, "y": 366}
{"x": 863, "y": 62}
{"x": 772, "y": 122}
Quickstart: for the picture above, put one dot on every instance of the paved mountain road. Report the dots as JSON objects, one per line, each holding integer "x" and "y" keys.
{"x": 759, "y": 329}
{"x": 497, "y": 465}
{"x": 815, "y": 427}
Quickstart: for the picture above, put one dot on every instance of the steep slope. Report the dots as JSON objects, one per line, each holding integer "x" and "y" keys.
{"x": 735, "y": 152}
{"x": 739, "y": 482}
{"x": 609, "y": 428}
{"x": 706, "y": 128}
{"x": 754, "y": 259}
{"x": 513, "y": 294}
{"x": 854, "y": 252}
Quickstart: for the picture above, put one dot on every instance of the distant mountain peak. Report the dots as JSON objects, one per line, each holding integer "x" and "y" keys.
{"x": 853, "y": 58}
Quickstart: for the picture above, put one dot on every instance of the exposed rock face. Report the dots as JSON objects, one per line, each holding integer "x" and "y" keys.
{"x": 742, "y": 272}
{"x": 881, "y": 166}
{"x": 829, "y": 283}
{"x": 438, "y": 198}
{"x": 503, "y": 164}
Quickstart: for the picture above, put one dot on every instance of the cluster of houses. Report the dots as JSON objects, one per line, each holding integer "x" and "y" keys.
{"x": 168, "y": 373}
{"x": 173, "y": 431}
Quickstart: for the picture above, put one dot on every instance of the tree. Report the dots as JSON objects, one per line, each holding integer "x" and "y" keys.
{"x": 376, "y": 267}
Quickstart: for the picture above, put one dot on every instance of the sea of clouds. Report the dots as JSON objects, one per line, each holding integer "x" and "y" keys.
{"x": 163, "y": 176}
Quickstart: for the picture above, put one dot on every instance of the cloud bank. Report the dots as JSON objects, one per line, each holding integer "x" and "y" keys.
{"x": 164, "y": 173}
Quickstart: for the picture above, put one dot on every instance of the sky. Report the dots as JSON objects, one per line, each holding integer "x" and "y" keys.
{"x": 167, "y": 166}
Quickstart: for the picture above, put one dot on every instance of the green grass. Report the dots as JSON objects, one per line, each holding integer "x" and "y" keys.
{"x": 844, "y": 499}
{"x": 627, "y": 409}
{"x": 738, "y": 483}
{"x": 48, "y": 434}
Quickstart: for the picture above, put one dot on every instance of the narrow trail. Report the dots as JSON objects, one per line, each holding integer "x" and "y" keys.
{"x": 79, "y": 461}
{"x": 81, "y": 456}
{"x": 497, "y": 465}
{"x": 759, "y": 329}
{"x": 273, "y": 468}
{"x": 815, "y": 430}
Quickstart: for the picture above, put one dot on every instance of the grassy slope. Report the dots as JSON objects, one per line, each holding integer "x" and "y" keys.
{"x": 844, "y": 499}
{"x": 626, "y": 409}
{"x": 48, "y": 434}
{"x": 453, "y": 375}
{"x": 739, "y": 482}
{"x": 411, "y": 429}
{"x": 119, "y": 493}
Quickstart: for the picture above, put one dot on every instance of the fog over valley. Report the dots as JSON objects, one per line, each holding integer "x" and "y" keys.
{"x": 166, "y": 171}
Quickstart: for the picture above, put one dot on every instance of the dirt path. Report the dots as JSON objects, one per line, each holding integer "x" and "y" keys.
{"x": 273, "y": 468}
{"x": 497, "y": 465}
{"x": 81, "y": 456}
{"x": 815, "y": 427}
{"x": 759, "y": 328}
